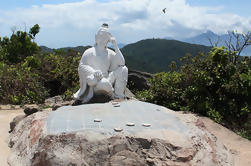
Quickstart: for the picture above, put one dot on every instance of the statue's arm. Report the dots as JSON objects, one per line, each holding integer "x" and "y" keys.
{"x": 83, "y": 65}
{"x": 118, "y": 59}
{"x": 119, "y": 56}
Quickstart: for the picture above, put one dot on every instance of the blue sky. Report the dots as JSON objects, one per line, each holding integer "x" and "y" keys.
{"x": 241, "y": 7}
{"x": 74, "y": 22}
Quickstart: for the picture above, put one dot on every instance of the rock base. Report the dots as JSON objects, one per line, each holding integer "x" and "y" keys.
{"x": 178, "y": 140}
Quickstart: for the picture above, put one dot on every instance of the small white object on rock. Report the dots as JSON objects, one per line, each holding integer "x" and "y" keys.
{"x": 118, "y": 129}
{"x": 116, "y": 105}
{"x": 130, "y": 124}
{"x": 97, "y": 120}
{"x": 146, "y": 125}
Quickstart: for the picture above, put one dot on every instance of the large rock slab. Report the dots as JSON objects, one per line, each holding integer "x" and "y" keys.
{"x": 70, "y": 136}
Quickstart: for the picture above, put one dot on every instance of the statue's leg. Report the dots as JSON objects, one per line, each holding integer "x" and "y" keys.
{"x": 82, "y": 82}
{"x": 120, "y": 76}
{"x": 85, "y": 93}
{"x": 104, "y": 86}
{"x": 91, "y": 80}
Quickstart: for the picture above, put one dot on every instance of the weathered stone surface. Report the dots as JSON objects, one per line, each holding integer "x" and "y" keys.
{"x": 31, "y": 109}
{"x": 15, "y": 121}
{"x": 54, "y": 138}
{"x": 138, "y": 80}
{"x": 56, "y": 102}
{"x": 53, "y": 100}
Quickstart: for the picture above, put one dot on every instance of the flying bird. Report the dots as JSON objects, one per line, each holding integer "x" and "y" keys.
{"x": 164, "y": 10}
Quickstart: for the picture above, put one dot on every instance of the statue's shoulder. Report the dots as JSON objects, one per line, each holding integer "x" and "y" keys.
{"x": 89, "y": 52}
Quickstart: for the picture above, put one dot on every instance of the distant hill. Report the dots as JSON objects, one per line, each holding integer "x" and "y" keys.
{"x": 80, "y": 49}
{"x": 46, "y": 49}
{"x": 203, "y": 39}
{"x": 154, "y": 55}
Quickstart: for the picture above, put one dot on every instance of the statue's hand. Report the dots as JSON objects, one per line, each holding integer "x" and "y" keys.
{"x": 113, "y": 41}
{"x": 98, "y": 74}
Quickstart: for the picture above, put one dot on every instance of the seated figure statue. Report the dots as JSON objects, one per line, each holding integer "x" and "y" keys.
{"x": 101, "y": 70}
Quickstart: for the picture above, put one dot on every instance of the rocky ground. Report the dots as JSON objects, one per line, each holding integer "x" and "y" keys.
{"x": 240, "y": 148}
{"x": 7, "y": 113}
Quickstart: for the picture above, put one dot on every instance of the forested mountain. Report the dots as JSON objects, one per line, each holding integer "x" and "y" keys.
{"x": 154, "y": 55}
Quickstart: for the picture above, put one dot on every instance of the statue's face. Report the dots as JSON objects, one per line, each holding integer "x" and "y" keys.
{"x": 102, "y": 38}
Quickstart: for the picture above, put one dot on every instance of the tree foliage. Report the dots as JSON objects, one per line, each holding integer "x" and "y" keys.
{"x": 19, "y": 45}
{"x": 209, "y": 85}
{"x": 30, "y": 76}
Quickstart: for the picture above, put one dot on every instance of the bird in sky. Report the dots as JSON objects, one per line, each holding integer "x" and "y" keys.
{"x": 164, "y": 10}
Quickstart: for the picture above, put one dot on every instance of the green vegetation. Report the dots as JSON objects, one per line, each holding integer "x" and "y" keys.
{"x": 19, "y": 45}
{"x": 154, "y": 55}
{"x": 29, "y": 76}
{"x": 210, "y": 85}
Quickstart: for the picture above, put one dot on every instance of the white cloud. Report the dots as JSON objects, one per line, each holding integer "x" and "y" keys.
{"x": 130, "y": 20}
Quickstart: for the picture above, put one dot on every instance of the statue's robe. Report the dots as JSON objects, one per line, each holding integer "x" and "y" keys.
{"x": 112, "y": 66}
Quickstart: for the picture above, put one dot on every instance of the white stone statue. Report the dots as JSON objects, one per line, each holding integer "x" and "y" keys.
{"x": 101, "y": 70}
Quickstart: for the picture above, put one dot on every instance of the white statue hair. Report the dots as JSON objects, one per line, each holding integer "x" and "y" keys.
{"x": 103, "y": 28}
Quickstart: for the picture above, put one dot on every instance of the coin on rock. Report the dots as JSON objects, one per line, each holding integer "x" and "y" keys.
{"x": 118, "y": 129}
{"x": 130, "y": 124}
{"x": 97, "y": 120}
{"x": 146, "y": 125}
{"x": 116, "y": 105}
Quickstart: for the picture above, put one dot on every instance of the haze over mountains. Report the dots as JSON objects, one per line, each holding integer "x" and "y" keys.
{"x": 204, "y": 39}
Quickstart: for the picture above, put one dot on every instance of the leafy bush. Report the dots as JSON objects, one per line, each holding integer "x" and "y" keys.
{"x": 30, "y": 76}
{"x": 210, "y": 85}
{"x": 61, "y": 69}
{"x": 19, "y": 85}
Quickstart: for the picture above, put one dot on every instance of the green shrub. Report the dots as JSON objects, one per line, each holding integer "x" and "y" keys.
{"x": 18, "y": 85}
{"x": 209, "y": 85}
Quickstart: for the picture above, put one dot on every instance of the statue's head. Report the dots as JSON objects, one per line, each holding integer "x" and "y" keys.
{"x": 103, "y": 35}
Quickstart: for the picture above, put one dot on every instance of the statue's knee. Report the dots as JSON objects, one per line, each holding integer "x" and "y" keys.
{"x": 125, "y": 70}
{"x": 91, "y": 80}
{"x": 104, "y": 85}
{"x": 121, "y": 72}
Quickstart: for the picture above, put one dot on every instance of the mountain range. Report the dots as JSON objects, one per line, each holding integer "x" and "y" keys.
{"x": 155, "y": 55}
{"x": 150, "y": 55}
{"x": 204, "y": 39}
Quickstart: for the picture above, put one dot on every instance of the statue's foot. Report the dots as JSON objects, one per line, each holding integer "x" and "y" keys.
{"x": 115, "y": 96}
{"x": 77, "y": 102}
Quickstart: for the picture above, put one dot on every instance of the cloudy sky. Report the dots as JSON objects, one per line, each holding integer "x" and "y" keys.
{"x": 74, "y": 22}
